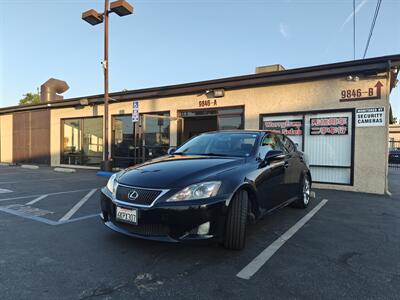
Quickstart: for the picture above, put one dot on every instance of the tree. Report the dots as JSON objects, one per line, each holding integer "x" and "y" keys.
{"x": 30, "y": 98}
{"x": 392, "y": 120}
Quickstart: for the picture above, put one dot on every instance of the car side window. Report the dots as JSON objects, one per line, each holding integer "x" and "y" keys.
{"x": 288, "y": 144}
{"x": 269, "y": 142}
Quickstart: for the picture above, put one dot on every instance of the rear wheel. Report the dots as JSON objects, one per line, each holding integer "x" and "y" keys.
{"x": 235, "y": 233}
{"x": 304, "y": 193}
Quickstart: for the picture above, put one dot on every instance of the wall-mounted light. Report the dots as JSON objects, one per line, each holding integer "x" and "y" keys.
{"x": 84, "y": 102}
{"x": 218, "y": 93}
{"x": 352, "y": 78}
{"x": 215, "y": 93}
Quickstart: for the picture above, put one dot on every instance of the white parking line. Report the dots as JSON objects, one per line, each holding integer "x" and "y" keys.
{"x": 31, "y": 180}
{"x": 78, "y": 205}
{"x": 248, "y": 271}
{"x": 49, "y": 194}
{"x": 36, "y": 200}
{"x": 3, "y": 191}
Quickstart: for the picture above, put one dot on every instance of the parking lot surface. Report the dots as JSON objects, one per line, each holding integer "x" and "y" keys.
{"x": 54, "y": 246}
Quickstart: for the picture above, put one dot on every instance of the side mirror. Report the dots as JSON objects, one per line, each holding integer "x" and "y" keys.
{"x": 273, "y": 155}
{"x": 171, "y": 151}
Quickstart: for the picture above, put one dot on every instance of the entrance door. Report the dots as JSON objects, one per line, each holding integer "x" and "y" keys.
{"x": 204, "y": 120}
{"x": 155, "y": 135}
{"x": 31, "y": 137}
{"x": 195, "y": 126}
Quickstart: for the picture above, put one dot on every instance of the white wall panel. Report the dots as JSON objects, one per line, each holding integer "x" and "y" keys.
{"x": 336, "y": 175}
{"x": 329, "y": 150}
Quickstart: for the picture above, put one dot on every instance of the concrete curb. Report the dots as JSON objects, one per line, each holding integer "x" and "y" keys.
{"x": 5, "y": 164}
{"x": 104, "y": 174}
{"x": 29, "y": 167}
{"x": 64, "y": 170}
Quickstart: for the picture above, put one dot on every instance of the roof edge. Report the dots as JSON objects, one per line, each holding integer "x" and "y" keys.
{"x": 235, "y": 82}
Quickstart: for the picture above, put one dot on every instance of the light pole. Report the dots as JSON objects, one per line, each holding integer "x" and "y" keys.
{"x": 121, "y": 8}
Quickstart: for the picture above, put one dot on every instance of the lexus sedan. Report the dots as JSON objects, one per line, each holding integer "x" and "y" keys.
{"x": 210, "y": 187}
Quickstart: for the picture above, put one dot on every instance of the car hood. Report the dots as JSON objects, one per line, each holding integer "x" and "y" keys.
{"x": 176, "y": 171}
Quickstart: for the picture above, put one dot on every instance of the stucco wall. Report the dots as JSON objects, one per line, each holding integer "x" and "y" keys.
{"x": 370, "y": 143}
{"x": 6, "y": 142}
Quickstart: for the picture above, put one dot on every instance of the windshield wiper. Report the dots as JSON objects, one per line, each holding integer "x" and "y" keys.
{"x": 214, "y": 154}
{"x": 179, "y": 153}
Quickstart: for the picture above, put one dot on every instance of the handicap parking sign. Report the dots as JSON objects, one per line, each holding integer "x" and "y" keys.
{"x": 135, "y": 111}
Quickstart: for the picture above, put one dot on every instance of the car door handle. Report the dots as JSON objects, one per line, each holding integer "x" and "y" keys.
{"x": 286, "y": 164}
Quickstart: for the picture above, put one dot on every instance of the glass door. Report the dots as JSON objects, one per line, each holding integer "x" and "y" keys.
{"x": 155, "y": 135}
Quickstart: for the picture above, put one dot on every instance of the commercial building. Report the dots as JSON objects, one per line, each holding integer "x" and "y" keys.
{"x": 336, "y": 113}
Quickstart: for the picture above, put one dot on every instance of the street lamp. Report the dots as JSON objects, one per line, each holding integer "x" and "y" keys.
{"x": 121, "y": 8}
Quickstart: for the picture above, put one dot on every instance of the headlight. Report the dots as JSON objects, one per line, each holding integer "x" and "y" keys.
{"x": 112, "y": 184}
{"x": 197, "y": 191}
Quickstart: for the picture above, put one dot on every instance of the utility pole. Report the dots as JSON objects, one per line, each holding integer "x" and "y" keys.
{"x": 121, "y": 8}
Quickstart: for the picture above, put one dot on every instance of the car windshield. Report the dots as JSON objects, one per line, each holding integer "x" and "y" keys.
{"x": 220, "y": 144}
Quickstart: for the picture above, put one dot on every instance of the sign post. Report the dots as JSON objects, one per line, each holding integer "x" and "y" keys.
{"x": 135, "y": 120}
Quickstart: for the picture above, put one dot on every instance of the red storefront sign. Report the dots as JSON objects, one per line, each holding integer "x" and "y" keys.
{"x": 292, "y": 127}
{"x": 329, "y": 126}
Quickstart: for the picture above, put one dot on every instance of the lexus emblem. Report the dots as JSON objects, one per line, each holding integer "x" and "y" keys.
{"x": 133, "y": 195}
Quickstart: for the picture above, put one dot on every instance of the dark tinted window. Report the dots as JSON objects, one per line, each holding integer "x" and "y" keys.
{"x": 269, "y": 142}
{"x": 220, "y": 143}
{"x": 287, "y": 143}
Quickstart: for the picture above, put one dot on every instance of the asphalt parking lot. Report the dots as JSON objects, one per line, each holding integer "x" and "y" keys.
{"x": 54, "y": 246}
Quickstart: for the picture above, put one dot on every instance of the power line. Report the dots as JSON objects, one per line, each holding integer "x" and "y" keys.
{"x": 354, "y": 29}
{"x": 378, "y": 6}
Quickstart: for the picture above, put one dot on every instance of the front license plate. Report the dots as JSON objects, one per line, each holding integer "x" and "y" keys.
{"x": 128, "y": 215}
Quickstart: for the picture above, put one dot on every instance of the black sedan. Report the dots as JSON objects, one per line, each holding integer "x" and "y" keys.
{"x": 210, "y": 187}
{"x": 394, "y": 156}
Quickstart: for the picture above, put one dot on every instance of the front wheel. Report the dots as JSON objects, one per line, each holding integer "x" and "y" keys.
{"x": 304, "y": 193}
{"x": 235, "y": 232}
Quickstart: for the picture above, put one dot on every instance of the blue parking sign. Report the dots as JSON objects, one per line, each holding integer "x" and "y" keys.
{"x": 135, "y": 111}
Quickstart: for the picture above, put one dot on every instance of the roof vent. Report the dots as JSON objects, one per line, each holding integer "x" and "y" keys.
{"x": 50, "y": 90}
{"x": 269, "y": 69}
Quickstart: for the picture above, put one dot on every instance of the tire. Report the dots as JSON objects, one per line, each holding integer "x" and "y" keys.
{"x": 235, "y": 232}
{"x": 303, "y": 198}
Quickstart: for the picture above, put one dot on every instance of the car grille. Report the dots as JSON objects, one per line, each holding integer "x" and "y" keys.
{"x": 144, "y": 196}
{"x": 146, "y": 229}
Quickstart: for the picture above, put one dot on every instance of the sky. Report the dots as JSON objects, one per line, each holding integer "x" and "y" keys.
{"x": 176, "y": 41}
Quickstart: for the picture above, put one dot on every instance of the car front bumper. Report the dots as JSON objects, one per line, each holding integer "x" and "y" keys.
{"x": 168, "y": 223}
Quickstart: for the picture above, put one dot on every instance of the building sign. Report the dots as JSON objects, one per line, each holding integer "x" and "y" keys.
{"x": 292, "y": 127}
{"x": 329, "y": 126}
{"x": 135, "y": 111}
{"x": 208, "y": 103}
{"x": 370, "y": 117}
{"x": 371, "y": 93}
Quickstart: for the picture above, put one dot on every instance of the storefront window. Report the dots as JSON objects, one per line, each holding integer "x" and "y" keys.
{"x": 230, "y": 122}
{"x": 210, "y": 119}
{"x": 326, "y": 139}
{"x": 123, "y": 137}
{"x": 82, "y": 141}
{"x": 292, "y": 126}
{"x": 152, "y": 139}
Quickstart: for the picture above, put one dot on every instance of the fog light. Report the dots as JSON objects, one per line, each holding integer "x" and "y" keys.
{"x": 203, "y": 228}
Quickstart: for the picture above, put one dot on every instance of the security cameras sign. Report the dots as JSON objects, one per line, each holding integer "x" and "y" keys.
{"x": 370, "y": 117}
{"x": 135, "y": 111}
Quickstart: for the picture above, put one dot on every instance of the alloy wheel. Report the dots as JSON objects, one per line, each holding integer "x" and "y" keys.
{"x": 306, "y": 191}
